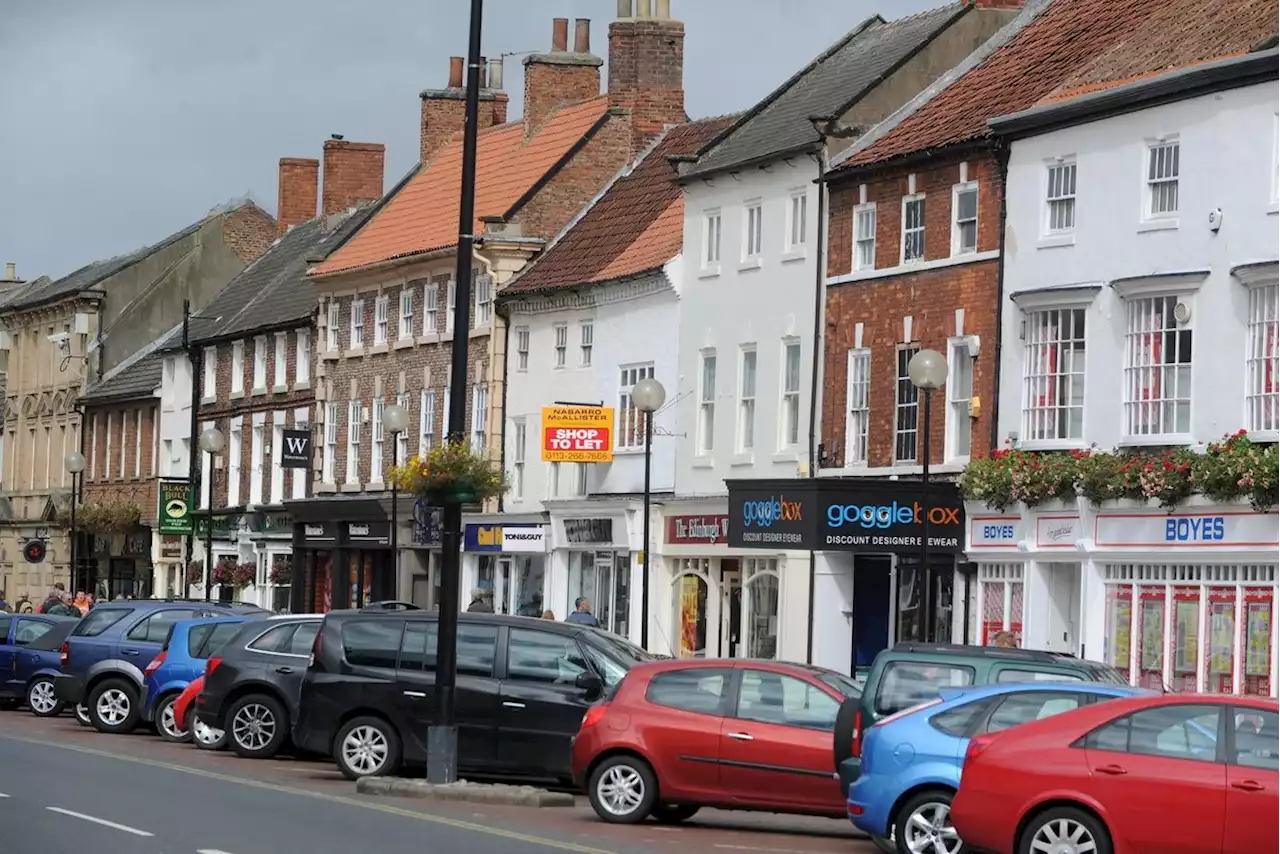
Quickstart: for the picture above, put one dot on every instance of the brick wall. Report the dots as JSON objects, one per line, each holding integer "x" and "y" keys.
{"x": 353, "y": 174}
{"x": 929, "y": 296}
{"x": 136, "y": 484}
{"x": 646, "y": 74}
{"x": 248, "y": 231}
{"x": 299, "y": 189}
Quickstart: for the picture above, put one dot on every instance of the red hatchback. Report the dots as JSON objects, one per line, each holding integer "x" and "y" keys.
{"x": 1170, "y": 773}
{"x": 733, "y": 734}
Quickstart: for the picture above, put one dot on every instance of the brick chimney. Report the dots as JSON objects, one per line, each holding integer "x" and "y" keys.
{"x": 553, "y": 80}
{"x": 996, "y": 4}
{"x": 444, "y": 110}
{"x": 646, "y": 67}
{"x": 298, "y": 192}
{"x": 353, "y": 173}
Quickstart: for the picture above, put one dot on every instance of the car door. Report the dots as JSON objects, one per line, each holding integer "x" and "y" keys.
{"x": 144, "y": 639}
{"x": 1253, "y": 781}
{"x": 775, "y": 746}
{"x": 1159, "y": 774}
{"x": 542, "y": 705}
{"x": 679, "y": 730}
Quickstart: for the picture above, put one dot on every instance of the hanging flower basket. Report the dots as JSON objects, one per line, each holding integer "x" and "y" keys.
{"x": 281, "y": 573}
{"x": 103, "y": 517}
{"x": 224, "y": 572}
{"x": 451, "y": 474}
{"x": 243, "y": 575}
{"x": 195, "y": 573}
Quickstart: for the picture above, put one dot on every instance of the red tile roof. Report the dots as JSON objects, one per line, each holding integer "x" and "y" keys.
{"x": 1068, "y": 45}
{"x": 637, "y": 225}
{"x": 423, "y": 216}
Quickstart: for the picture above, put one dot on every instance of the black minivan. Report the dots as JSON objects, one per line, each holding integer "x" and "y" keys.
{"x": 523, "y": 686}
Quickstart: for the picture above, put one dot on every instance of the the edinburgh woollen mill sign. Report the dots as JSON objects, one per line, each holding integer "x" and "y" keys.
{"x": 577, "y": 434}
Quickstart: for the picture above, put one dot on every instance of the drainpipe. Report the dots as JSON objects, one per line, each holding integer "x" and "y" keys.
{"x": 1000, "y": 149}
{"x": 819, "y": 303}
{"x": 494, "y": 373}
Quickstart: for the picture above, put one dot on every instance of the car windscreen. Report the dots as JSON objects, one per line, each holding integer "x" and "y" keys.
{"x": 620, "y": 647}
{"x": 53, "y": 638}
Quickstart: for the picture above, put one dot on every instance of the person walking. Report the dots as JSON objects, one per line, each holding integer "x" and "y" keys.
{"x": 24, "y": 605}
{"x": 582, "y": 613}
{"x": 4, "y": 604}
{"x": 481, "y": 601}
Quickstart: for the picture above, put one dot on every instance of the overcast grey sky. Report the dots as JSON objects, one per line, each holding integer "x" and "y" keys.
{"x": 124, "y": 120}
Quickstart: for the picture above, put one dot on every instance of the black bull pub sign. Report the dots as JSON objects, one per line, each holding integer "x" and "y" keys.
{"x": 846, "y": 515}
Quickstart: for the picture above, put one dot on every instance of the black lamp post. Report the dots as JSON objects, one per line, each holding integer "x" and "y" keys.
{"x": 74, "y": 462}
{"x": 648, "y": 395}
{"x": 395, "y": 421}
{"x": 211, "y": 442}
{"x": 928, "y": 372}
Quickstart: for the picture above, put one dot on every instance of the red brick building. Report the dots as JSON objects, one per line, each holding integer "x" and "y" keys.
{"x": 387, "y": 296}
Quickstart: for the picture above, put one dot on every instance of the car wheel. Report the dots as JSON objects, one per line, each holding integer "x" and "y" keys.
{"x": 367, "y": 747}
{"x": 40, "y": 699}
{"x": 258, "y": 726}
{"x": 82, "y": 715}
{"x": 113, "y": 706}
{"x": 206, "y": 737}
{"x": 167, "y": 721}
{"x": 674, "y": 813}
{"x": 1066, "y": 830}
{"x": 924, "y": 824}
{"x": 623, "y": 790}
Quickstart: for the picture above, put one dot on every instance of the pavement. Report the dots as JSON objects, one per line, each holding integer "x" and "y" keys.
{"x": 65, "y": 789}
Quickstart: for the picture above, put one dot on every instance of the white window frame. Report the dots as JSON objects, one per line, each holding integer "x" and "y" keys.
{"x": 277, "y": 471}
{"x": 483, "y": 300}
{"x": 257, "y": 455}
{"x": 797, "y": 234}
{"x": 235, "y": 455}
{"x": 957, "y": 421}
{"x": 450, "y": 305}
{"x": 519, "y": 440}
{"x": 1054, "y": 380}
{"x": 857, "y": 406}
{"x": 93, "y": 448}
{"x": 259, "y": 364}
{"x": 1262, "y": 362}
{"x": 630, "y": 426}
{"x": 124, "y": 448}
{"x": 712, "y": 236}
{"x": 426, "y": 421}
{"x": 580, "y": 471}
{"x": 1060, "y": 196}
{"x": 1146, "y": 373}
{"x": 331, "y": 415}
{"x": 376, "y": 445}
{"x": 559, "y": 354}
{"x": 430, "y": 308}
{"x": 237, "y": 367}
{"x": 1161, "y": 171}
{"x": 332, "y": 326}
{"x": 957, "y": 224}
{"x": 861, "y": 241}
{"x": 302, "y": 421}
{"x": 357, "y": 324}
{"x": 210, "y": 390}
{"x": 752, "y": 231}
{"x": 206, "y": 466}
{"x": 906, "y": 399}
{"x": 355, "y": 415}
{"x": 522, "y": 349}
{"x": 302, "y": 357}
{"x": 402, "y": 438}
{"x": 381, "y": 319}
{"x": 479, "y": 418}
{"x": 405, "y": 332}
{"x": 789, "y": 415}
{"x": 281, "y": 366}
{"x": 137, "y": 444}
{"x": 748, "y": 388}
{"x": 587, "y": 335}
{"x": 706, "y": 435}
{"x": 907, "y": 233}
{"x": 444, "y": 411}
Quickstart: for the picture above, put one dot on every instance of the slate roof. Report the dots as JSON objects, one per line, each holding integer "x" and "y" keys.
{"x": 635, "y": 226}
{"x": 423, "y": 216}
{"x": 131, "y": 381}
{"x": 1057, "y": 46}
{"x": 829, "y": 85}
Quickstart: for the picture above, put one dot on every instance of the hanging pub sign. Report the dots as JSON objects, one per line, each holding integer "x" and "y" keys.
{"x": 577, "y": 434}
{"x": 296, "y": 453}
{"x": 175, "y": 507}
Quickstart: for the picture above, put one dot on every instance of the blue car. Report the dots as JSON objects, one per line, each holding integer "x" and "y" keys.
{"x": 911, "y": 761}
{"x": 189, "y": 644}
{"x": 29, "y": 660}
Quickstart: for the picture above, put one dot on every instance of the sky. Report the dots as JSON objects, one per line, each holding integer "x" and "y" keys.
{"x": 124, "y": 121}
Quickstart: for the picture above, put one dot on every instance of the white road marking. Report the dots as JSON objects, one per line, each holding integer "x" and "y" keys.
{"x": 209, "y": 851}
{"x": 124, "y": 828}
{"x": 3, "y": 795}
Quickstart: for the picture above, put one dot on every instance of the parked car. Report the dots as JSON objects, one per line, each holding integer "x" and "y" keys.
{"x": 911, "y": 761}
{"x": 523, "y": 685}
{"x": 29, "y": 660}
{"x": 1158, "y": 773}
{"x": 678, "y": 735}
{"x": 252, "y": 685}
{"x": 189, "y": 644}
{"x": 184, "y": 717}
{"x": 909, "y": 674}
{"x": 103, "y": 657}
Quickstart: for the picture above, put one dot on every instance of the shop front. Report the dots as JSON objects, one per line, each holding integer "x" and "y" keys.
{"x": 873, "y": 583}
{"x": 269, "y": 542}
{"x": 595, "y": 556}
{"x": 505, "y": 566}
{"x": 1182, "y": 600}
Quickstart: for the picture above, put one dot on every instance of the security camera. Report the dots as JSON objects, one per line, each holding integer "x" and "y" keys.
{"x": 62, "y": 341}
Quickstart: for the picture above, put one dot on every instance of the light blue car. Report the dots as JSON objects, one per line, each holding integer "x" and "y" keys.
{"x": 911, "y": 761}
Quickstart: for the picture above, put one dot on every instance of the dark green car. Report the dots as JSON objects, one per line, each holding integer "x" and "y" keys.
{"x": 913, "y": 673}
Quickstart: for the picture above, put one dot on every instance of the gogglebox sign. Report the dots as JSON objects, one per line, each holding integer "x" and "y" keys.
{"x": 577, "y": 434}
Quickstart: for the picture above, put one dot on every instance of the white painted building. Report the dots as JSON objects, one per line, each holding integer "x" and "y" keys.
{"x": 173, "y": 461}
{"x": 1142, "y": 220}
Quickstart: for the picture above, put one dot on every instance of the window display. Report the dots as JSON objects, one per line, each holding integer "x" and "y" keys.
{"x": 604, "y": 578}
{"x": 1184, "y": 638}
{"x": 762, "y": 607}
{"x": 1256, "y": 640}
{"x": 1220, "y": 659}
{"x": 1001, "y": 594}
{"x": 1119, "y": 627}
{"x": 1151, "y": 637}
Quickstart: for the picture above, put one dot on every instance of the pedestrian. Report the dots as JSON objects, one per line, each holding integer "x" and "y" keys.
{"x": 24, "y": 605}
{"x": 63, "y": 607}
{"x": 582, "y": 613}
{"x": 1005, "y": 640}
{"x": 82, "y": 602}
{"x": 53, "y": 599}
{"x": 548, "y": 615}
{"x": 4, "y": 604}
{"x": 481, "y": 601}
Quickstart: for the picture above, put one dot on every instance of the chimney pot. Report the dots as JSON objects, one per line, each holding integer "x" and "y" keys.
{"x": 662, "y": 9}
{"x": 559, "y": 35}
{"x": 582, "y": 35}
{"x": 11, "y": 271}
{"x": 495, "y": 73}
{"x": 624, "y": 8}
{"x": 644, "y": 8}
{"x": 482, "y": 74}
{"x": 455, "y": 72}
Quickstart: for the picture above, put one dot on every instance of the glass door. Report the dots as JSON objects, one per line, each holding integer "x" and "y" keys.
{"x": 731, "y": 608}
{"x": 925, "y": 603}
{"x": 604, "y": 580}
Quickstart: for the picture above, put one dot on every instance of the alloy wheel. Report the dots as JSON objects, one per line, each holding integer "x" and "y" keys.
{"x": 254, "y": 726}
{"x": 929, "y": 830}
{"x": 82, "y": 715}
{"x": 1063, "y": 836}
{"x": 169, "y": 720}
{"x": 113, "y": 707}
{"x": 620, "y": 790}
{"x": 365, "y": 750}
{"x": 205, "y": 734}
{"x": 40, "y": 698}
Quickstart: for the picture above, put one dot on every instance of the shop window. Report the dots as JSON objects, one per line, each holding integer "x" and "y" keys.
{"x": 1257, "y": 640}
{"x": 1219, "y": 651}
{"x": 604, "y": 580}
{"x": 515, "y": 582}
{"x": 1120, "y": 627}
{"x": 1184, "y": 638}
{"x": 690, "y": 595}
{"x": 761, "y": 588}
{"x": 1151, "y": 602}
{"x": 1000, "y": 592}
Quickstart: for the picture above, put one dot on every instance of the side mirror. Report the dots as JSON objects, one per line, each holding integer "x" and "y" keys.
{"x": 590, "y": 683}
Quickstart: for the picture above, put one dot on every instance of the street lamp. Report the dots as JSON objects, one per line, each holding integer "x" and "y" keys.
{"x": 648, "y": 395}
{"x": 74, "y": 461}
{"x": 211, "y": 442}
{"x": 395, "y": 420}
{"x": 928, "y": 373}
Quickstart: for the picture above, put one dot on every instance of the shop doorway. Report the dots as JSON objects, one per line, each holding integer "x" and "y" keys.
{"x": 1063, "y": 629}
{"x": 872, "y": 607}
{"x": 516, "y": 582}
{"x": 731, "y": 607}
{"x": 604, "y": 578}
{"x": 369, "y": 577}
{"x": 925, "y": 602}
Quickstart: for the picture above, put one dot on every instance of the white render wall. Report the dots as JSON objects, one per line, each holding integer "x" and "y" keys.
{"x": 738, "y": 305}
{"x": 175, "y": 414}
{"x": 1228, "y": 156}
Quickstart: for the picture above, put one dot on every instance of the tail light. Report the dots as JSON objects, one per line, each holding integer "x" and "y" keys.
{"x": 64, "y": 655}
{"x": 594, "y": 715}
{"x": 211, "y": 665}
{"x": 857, "y": 733}
{"x": 155, "y": 664}
{"x": 977, "y": 746}
{"x": 317, "y": 647}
